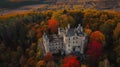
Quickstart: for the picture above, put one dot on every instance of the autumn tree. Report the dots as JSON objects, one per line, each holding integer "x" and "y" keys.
{"x": 98, "y": 36}
{"x": 22, "y": 60}
{"x": 40, "y": 63}
{"x": 116, "y": 32}
{"x": 117, "y": 50}
{"x": 71, "y": 61}
{"x": 87, "y": 30}
{"x": 91, "y": 17}
{"x": 48, "y": 57}
{"x": 30, "y": 62}
{"x": 56, "y": 15}
{"x": 107, "y": 29}
{"x": 94, "y": 52}
{"x": 65, "y": 20}
{"x": 53, "y": 25}
{"x": 94, "y": 49}
{"x": 44, "y": 27}
{"x": 39, "y": 32}
{"x": 117, "y": 43}
{"x": 39, "y": 51}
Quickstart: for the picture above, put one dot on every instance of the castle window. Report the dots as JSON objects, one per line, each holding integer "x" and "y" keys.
{"x": 76, "y": 42}
{"x": 68, "y": 45}
{"x": 61, "y": 43}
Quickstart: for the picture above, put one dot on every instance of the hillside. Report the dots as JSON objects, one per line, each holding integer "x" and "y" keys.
{"x": 100, "y": 4}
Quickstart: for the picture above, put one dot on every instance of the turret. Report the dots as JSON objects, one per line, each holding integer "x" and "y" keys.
{"x": 66, "y": 29}
{"x": 45, "y": 36}
{"x": 79, "y": 26}
{"x": 46, "y": 42}
{"x": 68, "y": 26}
{"x": 59, "y": 31}
{"x": 81, "y": 29}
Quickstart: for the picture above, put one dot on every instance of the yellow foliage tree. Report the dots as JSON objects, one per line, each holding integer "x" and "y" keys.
{"x": 87, "y": 30}
{"x": 66, "y": 19}
{"x": 116, "y": 32}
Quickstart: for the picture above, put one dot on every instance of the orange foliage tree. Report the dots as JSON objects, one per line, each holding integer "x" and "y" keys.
{"x": 98, "y": 36}
{"x": 30, "y": 62}
{"x": 48, "y": 57}
{"x": 53, "y": 25}
{"x": 40, "y": 63}
{"x": 38, "y": 32}
{"x": 87, "y": 30}
{"x": 71, "y": 61}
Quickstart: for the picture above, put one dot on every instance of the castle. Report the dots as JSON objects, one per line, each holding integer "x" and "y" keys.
{"x": 67, "y": 40}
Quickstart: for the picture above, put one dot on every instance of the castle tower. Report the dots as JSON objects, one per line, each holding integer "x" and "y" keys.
{"x": 68, "y": 26}
{"x": 79, "y": 28}
{"x": 59, "y": 31}
{"x": 46, "y": 43}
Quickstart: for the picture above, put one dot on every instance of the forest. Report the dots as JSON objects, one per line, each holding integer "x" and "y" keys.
{"x": 19, "y": 37}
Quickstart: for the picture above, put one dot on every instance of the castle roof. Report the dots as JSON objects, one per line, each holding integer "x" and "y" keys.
{"x": 70, "y": 32}
{"x": 55, "y": 38}
{"x": 74, "y": 31}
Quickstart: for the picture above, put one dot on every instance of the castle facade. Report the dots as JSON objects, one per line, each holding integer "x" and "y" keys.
{"x": 67, "y": 40}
